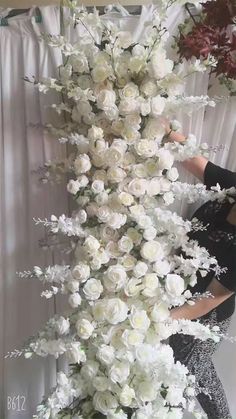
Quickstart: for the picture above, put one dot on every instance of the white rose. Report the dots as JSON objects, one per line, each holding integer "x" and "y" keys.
{"x": 84, "y": 328}
{"x": 153, "y": 187}
{"x": 99, "y": 310}
{"x": 147, "y": 391}
{"x": 128, "y": 262}
{"x": 146, "y": 354}
{"x": 93, "y": 289}
{"x": 104, "y": 213}
{"x": 95, "y": 133}
{"x": 106, "y": 354}
{"x": 125, "y": 244}
{"x": 83, "y": 180}
{"x": 91, "y": 244}
{"x": 152, "y": 251}
{"x": 165, "y": 159}
{"x": 116, "y": 174}
{"x": 124, "y": 39}
{"x": 74, "y": 300}
{"x": 137, "y": 187}
{"x": 62, "y": 326}
{"x": 126, "y": 199}
{"x": 154, "y": 129}
{"x": 127, "y": 395}
{"x": 100, "y": 175}
{"x": 114, "y": 155}
{"x": 157, "y": 105}
{"x": 172, "y": 174}
{"x": 165, "y": 184}
{"x": 73, "y": 186}
{"x": 140, "y": 269}
{"x": 175, "y": 125}
{"x": 102, "y": 198}
{"x": 133, "y": 287}
{"x": 89, "y": 370}
{"x": 107, "y": 233}
{"x": 132, "y": 338}
{"x": 101, "y": 383}
{"x": 75, "y": 354}
{"x": 119, "y": 371}
{"x": 104, "y": 402}
{"x": 174, "y": 395}
{"x": 134, "y": 235}
{"x": 116, "y": 311}
{"x": 81, "y": 216}
{"x": 128, "y": 106}
{"x": 149, "y": 233}
{"x": 151, "y": 281}
{"x": 145, "y": 106}
{"x": 73, "y": 286}
{"x": 97, "y": 186}
{"x": 174, "y": 284}
{"x": 117, "y": 220}
{"x": 169, "y": 198}
{"x": 129, "y": 91}
{"x": 136, "y": 64}
{"x": 149, "y": 87}
{"x": 139, "y": 170}
{"x": 101, "y": 72}
{"x": 82, "y": 164}
{"x": 79, "y": 63}
{"x": 106, "y": 99}
{"x": 146, "y": 148}
{"x": 160, "y": 66}
{"x": 81, "y": 271}
{"x": 115, "y": 277}
{"x": 139, "y": 319}
{"x": 161, "y": 267}
{"x": 160, "y": 312}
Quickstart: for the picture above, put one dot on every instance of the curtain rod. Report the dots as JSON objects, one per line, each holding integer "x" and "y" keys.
{"x": 21, "y": 4}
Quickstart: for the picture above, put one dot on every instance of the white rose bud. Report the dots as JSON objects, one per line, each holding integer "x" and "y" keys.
{"x": 93, "y": 289}
{"x": 81, "y": 272}
{"x": 172, "y": 174}
{"x": 116, "y": 311}
{"x": 62, "y": 326}
{"x": 119, "y": 371}
{"x": 127, "y": 395}
{"x": 97, "y": 186}
{"x": 104, "y": 402}
{"x": 84, "y": 328}
{"x": 106, "y": 354}
{"x": 82, "y": 164}
{"x": 73, "y": 186}
{"x": 74, "y": 300}
{"x": 174, "y": 284}
{"x": 75, "y": 354}
{"x": 152, "y": 251}
{"x": 157, "y": 105}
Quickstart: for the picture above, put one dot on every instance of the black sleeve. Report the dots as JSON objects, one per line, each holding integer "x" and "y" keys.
{"x": 214, "y": 174}
{"x": 228, "y": 278}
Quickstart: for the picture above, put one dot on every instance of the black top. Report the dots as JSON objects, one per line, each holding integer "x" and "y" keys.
{"x": 219, "y": 238}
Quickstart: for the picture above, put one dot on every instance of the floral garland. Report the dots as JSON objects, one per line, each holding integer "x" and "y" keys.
{"x": 210, "y": 37}
{"x": 125, "y": 274}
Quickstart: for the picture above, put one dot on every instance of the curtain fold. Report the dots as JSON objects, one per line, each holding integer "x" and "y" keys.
{"x": 24, "y": 147}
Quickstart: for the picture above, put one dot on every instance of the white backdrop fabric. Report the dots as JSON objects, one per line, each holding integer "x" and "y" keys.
{"x": 24, "y": 147}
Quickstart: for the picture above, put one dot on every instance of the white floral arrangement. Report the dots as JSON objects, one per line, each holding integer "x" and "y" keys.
{"x": 126, "y": 273}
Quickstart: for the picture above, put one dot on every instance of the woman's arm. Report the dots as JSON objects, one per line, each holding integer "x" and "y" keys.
{"x": 196, "y": 165}
{"x": 203, "y": 306}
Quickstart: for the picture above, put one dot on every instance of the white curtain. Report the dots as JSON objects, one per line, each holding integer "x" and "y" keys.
{"x": 24, "y": 147}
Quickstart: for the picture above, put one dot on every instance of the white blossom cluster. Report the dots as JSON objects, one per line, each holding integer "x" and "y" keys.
{"x": 126, "y": 273}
